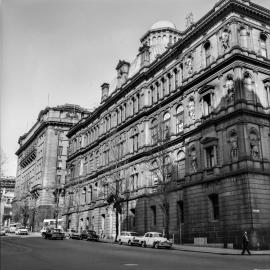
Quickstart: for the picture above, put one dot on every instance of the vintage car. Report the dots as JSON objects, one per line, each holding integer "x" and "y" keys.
{"x": 2, "y": 232}
{"x": 155, "y": 240}
{"x": 21, "y": 231}
{"x": 92, "y": 236}
{"x": 53, "y": 234}
{"x": 69, "y": 233}
{"x": 129, "y": 238}
{"x": 75, "y": 235}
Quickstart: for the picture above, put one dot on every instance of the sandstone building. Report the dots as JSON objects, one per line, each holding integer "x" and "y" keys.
{"x": 208, "y": 87}
{"x": 7, "y": 186}
{"x": 41, "y": 168}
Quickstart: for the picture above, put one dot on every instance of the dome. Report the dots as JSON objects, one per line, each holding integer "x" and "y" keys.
{"x": 162, "y": 24}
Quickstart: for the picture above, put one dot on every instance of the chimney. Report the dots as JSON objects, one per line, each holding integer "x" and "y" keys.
{"x": 122, "y": 72}
{"x": 104, "y": 91}
{"x": 145, "y": 55}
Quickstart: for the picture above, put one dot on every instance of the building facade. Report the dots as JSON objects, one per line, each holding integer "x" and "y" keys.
{"x": 41, "y": 168}
{"x": 208, "y": 90}
{"x": 7, "y": 186}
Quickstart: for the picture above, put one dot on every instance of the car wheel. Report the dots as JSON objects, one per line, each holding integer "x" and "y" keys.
{"x": 120, "y": 243}
{"x": 156, "y": 245}
{"x": 129, "y": 243}
{"x": 80, "y": 238}
{"x": 143, "y": 244}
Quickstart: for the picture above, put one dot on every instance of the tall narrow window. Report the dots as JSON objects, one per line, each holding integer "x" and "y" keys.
{"x": 243, "y": 37}
{"x": 214, "y": 206}
{"x": 267, "y": 91}
{"x": 154, "y": 131}
{"x": 210, "y": 157}
{"x": 207, "y": 50}
{"x": 263, "y": 47}
{"x": 179, "y": 119}
{"x": 154, "y": 215}
{"x": 207, "y": 104}
{"x": 180, "y": 165}
{"x": 166, "y": 126}
{"x": 180, "y": 206}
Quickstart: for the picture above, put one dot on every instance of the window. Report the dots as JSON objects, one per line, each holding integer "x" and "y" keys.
{"x": 243, "y": 37}
{"x": 59, "y": 165}
{"x": 179, "y": 119}
{"x": 210, "y": 157}
{"x": 214, "y": 206}
{"x": 84, "y": 194}
{"x": 263, "y": 47}
{"x": 154, "y": 174}
{"x": 91, "y": 193}
{"x": 180, "y": 165}
{"x": 135, "y": 139}
{"x": 207, "y": 104}
{"x": 180, "y": 206}
{"x": 60, "y": 151}
{"x": 166, "y": 126}
{"x": 267, "y": 91}
{"x": 154, "y": 131}
{"x": 207, "y": 50}
{"x": 154, "y": 215}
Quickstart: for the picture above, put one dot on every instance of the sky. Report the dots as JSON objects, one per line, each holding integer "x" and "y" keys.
{"x": 54, "y": 52}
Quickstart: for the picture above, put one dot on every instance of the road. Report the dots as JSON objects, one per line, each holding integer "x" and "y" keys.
{"x": 19, "y": 253}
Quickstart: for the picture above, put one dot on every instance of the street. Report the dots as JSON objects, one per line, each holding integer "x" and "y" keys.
{"x": 39, "y": 254}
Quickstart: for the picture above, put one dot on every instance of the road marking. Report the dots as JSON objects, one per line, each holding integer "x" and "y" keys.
{"x": 131, "y": 264}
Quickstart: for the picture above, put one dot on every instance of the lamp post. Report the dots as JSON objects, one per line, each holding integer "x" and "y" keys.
{"x": 57, "y": 192}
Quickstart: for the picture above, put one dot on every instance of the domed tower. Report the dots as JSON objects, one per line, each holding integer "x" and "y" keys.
{"x": 159, "y": 37}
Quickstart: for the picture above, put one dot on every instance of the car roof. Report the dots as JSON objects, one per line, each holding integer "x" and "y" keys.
{"x": 154, "y": 232}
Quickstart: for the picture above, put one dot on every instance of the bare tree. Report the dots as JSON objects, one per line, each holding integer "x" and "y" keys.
{"x": 3, "y": 162}
{"x": 113, "y": 182}
{"x": 162, "y": 168}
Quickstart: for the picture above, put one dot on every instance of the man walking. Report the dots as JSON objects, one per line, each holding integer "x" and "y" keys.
{"x": 245, "y": 244}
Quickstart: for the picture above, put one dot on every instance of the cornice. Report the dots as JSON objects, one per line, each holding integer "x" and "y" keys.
{"x": 40, "y": 128}
{"x": 215, "y": 15}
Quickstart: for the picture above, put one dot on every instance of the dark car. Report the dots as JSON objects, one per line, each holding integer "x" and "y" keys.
{"x": 53, "y": 234}
{"x": 92, "y": 236}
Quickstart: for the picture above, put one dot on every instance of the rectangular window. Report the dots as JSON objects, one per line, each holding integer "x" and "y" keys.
{"x": 180, "y": 206}
{"x": 179, "y": 122}
{"x": 154, "y": 215}
{"x": 210, "y": 157}
{"x": 60, "y": 151}
{"x": 207, "y": 104}
{"x": 214, "y": 206}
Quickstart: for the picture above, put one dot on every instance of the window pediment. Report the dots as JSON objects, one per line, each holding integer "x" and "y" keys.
{"x": 206, "y": 88}
{"x": 209, "y": 140}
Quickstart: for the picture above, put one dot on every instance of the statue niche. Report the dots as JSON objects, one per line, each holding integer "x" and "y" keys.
{"x": 191, "y": 109}
{"x": 229, "y": 86}
{"x": 233, "y": 141}
{"x": 225, "y": 40}
{"x": 254, "y": 144}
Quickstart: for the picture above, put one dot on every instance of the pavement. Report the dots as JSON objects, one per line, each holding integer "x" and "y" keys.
{"x": 190, "y": 248}
{"x": 205, "y": 249}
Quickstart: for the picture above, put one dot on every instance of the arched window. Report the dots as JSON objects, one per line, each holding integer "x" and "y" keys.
{"x": 180, "y": 165}
{"x": 207, "y": 51}
{"x": 179, "y": 118}
{"x": 135, "y": 139}
{"x": 244, "y": 37}
{"x": 166, "y": 126}
{"x": 263, "y": 48}
{"x": 154, "y": 131}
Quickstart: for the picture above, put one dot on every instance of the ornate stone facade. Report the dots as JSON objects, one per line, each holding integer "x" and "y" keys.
{"x": 41, "y": 164}
{"x": 209, "y": 89}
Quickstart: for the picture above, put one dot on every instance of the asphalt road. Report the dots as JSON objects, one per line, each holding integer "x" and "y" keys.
{"x": 19, "y": 253}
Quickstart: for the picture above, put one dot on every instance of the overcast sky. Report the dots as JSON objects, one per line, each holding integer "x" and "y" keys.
{"x": 66, "y": 49}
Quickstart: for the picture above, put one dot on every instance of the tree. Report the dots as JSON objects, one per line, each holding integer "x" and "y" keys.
{"x": 21, "y": 213}
{"x": 3, "y": 162}
{"x": 162, "y": 168}
{"x": 113, "y": 181}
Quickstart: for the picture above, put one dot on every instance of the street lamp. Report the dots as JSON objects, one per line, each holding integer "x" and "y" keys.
{"x": 59, "y": 190}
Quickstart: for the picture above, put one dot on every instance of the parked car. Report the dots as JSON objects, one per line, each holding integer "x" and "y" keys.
{"x": 2, "y": 232}
{"x": 92, "y": 236}
{"x": 53, "y": 234}
{"x": 21, "y": 231}
{"x": 155, "y": 240}
{"x": 69, "y": 233}
{"x": 129, "y": 238}
{"x": 75, "y": 235}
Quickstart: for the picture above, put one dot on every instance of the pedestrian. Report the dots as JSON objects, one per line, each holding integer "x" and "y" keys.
{"x": 245, "y": 244}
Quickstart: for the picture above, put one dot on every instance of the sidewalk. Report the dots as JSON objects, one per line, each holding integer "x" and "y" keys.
{"x": 203, "y": 249}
